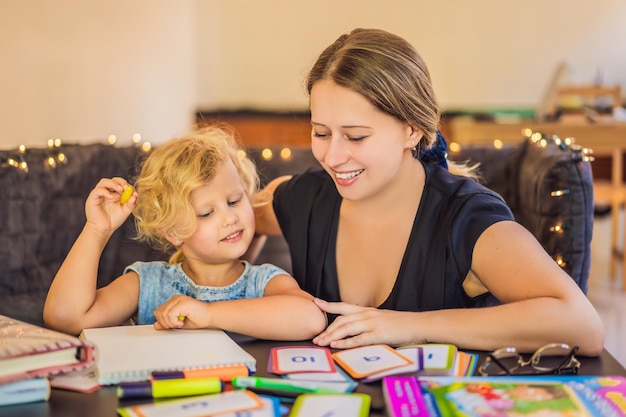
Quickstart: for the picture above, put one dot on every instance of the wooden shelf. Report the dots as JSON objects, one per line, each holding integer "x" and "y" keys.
{"x": 258, "y": 129}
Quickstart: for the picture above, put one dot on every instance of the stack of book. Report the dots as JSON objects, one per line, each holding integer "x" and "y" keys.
{"x": 30, "y": 355}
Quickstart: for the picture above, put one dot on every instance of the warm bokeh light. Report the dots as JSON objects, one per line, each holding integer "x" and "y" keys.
{"x": 267, "y": 154}
{"x": 285, "y": 153}
{"x": 146, "y": 147}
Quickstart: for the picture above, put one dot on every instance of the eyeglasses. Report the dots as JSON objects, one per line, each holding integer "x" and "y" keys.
{"x": 551, "y": 359}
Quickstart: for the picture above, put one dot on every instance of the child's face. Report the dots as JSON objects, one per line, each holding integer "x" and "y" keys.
{"x": 225, "y": 219}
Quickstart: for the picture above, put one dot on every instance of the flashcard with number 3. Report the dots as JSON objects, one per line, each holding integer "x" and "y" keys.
{"x": 363, "y": 361}
{"x": 292, "y": 359}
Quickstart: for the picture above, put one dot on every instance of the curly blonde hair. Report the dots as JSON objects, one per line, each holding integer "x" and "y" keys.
{"x": 176, "y": 168}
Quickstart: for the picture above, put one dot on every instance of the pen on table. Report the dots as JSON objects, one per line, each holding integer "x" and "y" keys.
{"x": 169, "y": 388}
{"x": 278, "y": 384}
{"x": 225, "y": 373}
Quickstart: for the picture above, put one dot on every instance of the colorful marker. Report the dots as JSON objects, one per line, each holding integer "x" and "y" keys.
{"x": 278, "y": 385}
{"x": 169, "y": 388}
{"x": 225, "y": 373}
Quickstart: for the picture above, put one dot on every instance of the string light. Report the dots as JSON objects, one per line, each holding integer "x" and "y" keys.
{"x": 146, "y": 147}
{"x": 567, "y": 144}
{"x": 454, "y": 147}
{"x": 267, "y": 154}
{"x": 285, "y": 153}
{"x": 559, "y": 193}
{"x": 53, "y": 155}
{"x": 577, "y": 154}
{"x": 558, "y": 228}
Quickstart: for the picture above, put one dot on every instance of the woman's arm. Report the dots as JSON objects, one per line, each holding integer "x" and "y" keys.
{"x": 73, "y": 303}
{"x": 264, "y": 215}
{"x": 285, "y": 312}
{"x": 541, "y": 304}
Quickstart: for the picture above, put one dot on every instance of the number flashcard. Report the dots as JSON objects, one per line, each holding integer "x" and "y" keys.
{"x": 293, "y": 359}
{"x": 413, "y": 353}
{"x": 366, "y": 360}
{"x": 439, "y": 359}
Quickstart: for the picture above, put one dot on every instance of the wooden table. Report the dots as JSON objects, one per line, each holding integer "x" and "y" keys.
{"x": 104, "y": 402}
{"x": 604, "y": 139}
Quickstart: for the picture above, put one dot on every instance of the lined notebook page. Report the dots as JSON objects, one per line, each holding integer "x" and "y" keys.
{"x": 131, "y": 353}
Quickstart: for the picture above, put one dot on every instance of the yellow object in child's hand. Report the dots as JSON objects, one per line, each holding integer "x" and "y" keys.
{"x": 181, "y": 318}
{"x": 128, "y": 191}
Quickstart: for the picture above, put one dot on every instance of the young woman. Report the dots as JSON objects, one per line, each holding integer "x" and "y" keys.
{"x": 193, "y": 196}
{"x": 403, "y": 248}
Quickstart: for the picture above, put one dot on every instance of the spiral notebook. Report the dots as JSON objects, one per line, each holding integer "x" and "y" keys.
{"x": 132, "y": 353}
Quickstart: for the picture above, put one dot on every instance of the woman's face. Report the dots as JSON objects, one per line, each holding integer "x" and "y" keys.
{"x": 359, "y": 146}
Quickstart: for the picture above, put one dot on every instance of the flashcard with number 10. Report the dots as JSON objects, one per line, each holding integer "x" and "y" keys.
{"x": 293, "y": 359}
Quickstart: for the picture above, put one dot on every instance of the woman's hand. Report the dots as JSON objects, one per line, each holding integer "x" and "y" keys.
{"x": 182, "y": 311}
{"x": 360, "y": 326}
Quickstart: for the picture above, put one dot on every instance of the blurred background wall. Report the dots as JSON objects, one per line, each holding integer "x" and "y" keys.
{"x": 83, "y": 70}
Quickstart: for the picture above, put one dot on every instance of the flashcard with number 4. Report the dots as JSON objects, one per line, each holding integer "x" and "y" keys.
{"x": 367, "y": 360}
{"x": 332, "y": 405}
{"x": 414, "y": 354}
{"x": 293, "y": 359}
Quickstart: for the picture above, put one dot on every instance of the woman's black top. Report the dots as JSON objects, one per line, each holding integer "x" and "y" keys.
{"x": 453, "y": 212}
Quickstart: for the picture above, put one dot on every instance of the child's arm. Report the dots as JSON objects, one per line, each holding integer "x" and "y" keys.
{"x": 73, "y": 303}
{"x": 285, "y": 313}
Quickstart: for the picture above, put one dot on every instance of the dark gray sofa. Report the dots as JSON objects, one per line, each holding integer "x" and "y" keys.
{"x": 42, "y": 210}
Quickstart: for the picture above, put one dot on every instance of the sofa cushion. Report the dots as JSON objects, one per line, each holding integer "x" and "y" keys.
{"x": 42, "y": 212}
{"x": 529, "y": 176}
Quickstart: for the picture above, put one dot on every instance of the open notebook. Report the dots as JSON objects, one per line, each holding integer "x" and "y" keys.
{"x": 132, "y": 353}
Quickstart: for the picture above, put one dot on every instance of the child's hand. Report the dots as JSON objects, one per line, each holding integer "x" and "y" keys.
{"x": 182, "y": 311}
{"x": 103, "y": 209}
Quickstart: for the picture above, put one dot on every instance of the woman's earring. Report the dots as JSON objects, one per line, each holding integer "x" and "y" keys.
{"x": 414, "y": 150}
